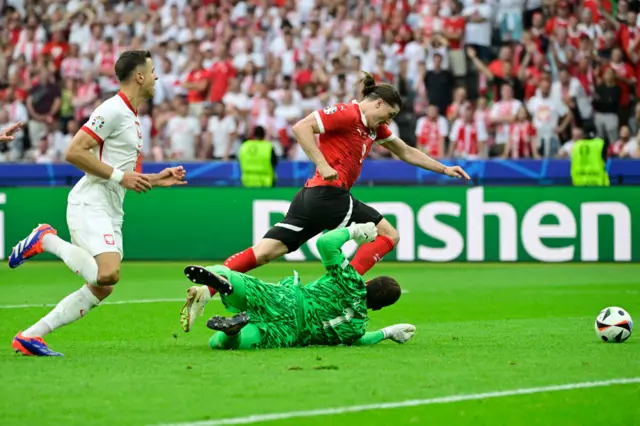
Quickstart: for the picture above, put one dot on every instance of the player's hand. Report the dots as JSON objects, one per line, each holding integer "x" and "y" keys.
{"x": 171, "y": 176}
{"x": 327, "y": 172}
{"x": 456, "y": 172}
{"x": 399, "y": 333}
{"x": 6, "y": 135}
{"x": 363, "y": 232}
{"x": 136, "y": 182}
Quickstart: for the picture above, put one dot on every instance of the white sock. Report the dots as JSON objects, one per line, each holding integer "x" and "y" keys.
{"x": 77, "y": 259}
{"x": 71, "y": 308}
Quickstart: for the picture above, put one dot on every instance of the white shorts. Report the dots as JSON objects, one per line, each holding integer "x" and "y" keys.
{"x": 94, "y": 230}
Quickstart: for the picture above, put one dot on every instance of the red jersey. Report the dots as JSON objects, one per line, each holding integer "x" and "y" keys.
{"x": 345, "y": 141}
{"x": 521, "y": 136}
{"x": 196, "y": 76}
{"x": 455, "y": 24}
{"x": 430, "y": 134}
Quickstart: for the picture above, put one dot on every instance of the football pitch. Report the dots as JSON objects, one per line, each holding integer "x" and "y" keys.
{"x": 496, "y": 344}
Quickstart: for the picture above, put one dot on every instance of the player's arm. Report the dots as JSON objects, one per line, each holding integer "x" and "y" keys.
{"x": 79, "y": 154}
{"x": 399, "y": 333}
{"x": 168, "y": 177}
{"x": 418, "y": 158}
{"x": 304, "y": 132}
{"x": 7, "y": 134}
{"x": 330, "y": 244}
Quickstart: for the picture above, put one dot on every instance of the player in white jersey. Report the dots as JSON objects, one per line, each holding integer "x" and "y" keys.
{"x": 107, "y": 149}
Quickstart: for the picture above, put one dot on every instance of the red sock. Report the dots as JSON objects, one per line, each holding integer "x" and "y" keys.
{"x": 371, "y": 253}
{"x": 239, "y": 262}
{"x": 242, "y": 262}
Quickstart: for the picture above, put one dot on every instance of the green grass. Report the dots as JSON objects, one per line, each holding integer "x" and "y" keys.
{"x": 481, "y": 328}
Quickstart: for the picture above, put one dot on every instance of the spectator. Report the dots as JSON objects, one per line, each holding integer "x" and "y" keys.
{"x": 196, "y": 84}
{"x": 467, "y": 137}
{"x": 431, "y": 132}
{"x": 43, "y": 105}
{"x": 305, "y": 57}
{"x": 606, "y": 104}
{"x": 502, "y": 116}
{"x": 631, "y": 149}
{"x": 439, "y": 84}
{"x": 550, "y": 118}
{"x": 183, "y": 131}
{"x": 478, "y": 29}
{"x": 569, "y": 91}
{"x": 222, "y": 134}
{"x": 522, "y": 137}
{"x": 616, "y": 149}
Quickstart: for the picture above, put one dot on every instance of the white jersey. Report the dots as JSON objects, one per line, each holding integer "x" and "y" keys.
{"x": 116, "y": 128}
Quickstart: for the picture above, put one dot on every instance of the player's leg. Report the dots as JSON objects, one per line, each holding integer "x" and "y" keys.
{"x": 371, "y": 253}
{"x": 230, "y": 336}
{"x": 278, "y": 241}
{"x": 232, "y": 288}
{"x": 108, "y": 254}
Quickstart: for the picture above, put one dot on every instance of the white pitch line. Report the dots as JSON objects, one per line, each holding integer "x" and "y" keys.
{"x": 257, "y": 418}
{"x": 115, "y": 302}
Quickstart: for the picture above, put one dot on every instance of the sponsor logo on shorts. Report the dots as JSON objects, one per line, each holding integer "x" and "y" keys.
{"x": 108, "y": 238}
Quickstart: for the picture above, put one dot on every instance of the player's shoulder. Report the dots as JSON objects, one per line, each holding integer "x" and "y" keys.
{"x": 111, "y": 107}
{"x": 341, "y": 109}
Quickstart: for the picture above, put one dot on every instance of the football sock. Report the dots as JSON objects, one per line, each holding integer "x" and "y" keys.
{"x": 77, "y": 259}
{"x": 242, "y": 262}
{"x": 371, "y": 253}
{"x": 71, "y": 308}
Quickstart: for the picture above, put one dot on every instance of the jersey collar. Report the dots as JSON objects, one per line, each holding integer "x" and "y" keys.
{"x": 127, "y": 102}
{"x": 364, "y": 119}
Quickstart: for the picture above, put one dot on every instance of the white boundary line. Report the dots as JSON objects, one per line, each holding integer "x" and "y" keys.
{"x": 256, "y": 418}
{"x": 116, "y": 302}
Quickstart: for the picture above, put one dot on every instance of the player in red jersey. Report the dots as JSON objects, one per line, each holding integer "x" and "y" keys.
{"x": 347, "y": 134}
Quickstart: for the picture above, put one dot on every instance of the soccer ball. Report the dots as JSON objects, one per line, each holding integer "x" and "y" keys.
{"x": 613, "y": 325}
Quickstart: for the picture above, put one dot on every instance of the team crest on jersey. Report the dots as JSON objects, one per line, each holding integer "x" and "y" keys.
{"x": 330, "y": 110}
{"x": 97, "y": 122}
{"x": 108, "y": 239}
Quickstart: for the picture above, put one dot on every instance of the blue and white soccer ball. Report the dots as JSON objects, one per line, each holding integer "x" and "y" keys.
{"x": 614, "y": 325}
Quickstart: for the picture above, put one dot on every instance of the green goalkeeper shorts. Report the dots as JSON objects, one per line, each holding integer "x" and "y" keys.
{"x": 275, "y": 309}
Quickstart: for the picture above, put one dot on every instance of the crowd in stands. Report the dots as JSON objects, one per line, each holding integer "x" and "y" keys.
{"x": 478, "y": 78}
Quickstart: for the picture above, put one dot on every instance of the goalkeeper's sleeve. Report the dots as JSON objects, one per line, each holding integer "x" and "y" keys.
{"x": 370, "y": 338}
{"x": 330, "y": 244}
{"x": 399, "y": 333}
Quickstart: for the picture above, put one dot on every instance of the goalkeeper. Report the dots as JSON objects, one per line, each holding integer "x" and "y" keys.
{"x": 329, "y": 311}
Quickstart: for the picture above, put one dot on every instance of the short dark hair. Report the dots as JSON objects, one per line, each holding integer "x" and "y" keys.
{"x": 129, "y": 61}
{"x": 382, "y": 291}
{"x": 259, "y": 133}
{"x": 386, "y": 92}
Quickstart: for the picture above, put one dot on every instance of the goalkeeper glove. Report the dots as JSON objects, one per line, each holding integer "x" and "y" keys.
{"x": 399, "y": 333}
{"x": 363, "y": 232}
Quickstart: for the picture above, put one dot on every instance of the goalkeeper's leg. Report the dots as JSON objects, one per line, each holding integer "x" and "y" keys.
{"x": 233, "y": 289}
{"x": 249, "y": 336}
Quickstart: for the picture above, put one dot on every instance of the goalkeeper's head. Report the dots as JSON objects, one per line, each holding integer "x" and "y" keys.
{"x": 381, "y": 292}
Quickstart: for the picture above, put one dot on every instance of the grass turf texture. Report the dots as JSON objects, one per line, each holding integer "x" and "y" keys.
{"x": 481, "y": 328}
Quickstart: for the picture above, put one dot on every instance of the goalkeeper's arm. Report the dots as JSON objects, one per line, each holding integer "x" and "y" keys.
{"x": 330, "y": 244}
{"x": 399, "y": 333}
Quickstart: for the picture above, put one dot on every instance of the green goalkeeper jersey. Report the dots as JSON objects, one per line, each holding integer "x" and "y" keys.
{"x": 335, "y": 305}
